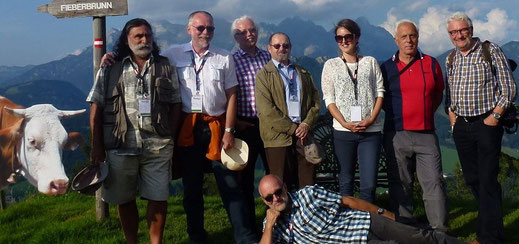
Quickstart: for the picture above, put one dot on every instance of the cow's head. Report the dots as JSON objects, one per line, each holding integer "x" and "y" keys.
{"x": 42, "y": 139}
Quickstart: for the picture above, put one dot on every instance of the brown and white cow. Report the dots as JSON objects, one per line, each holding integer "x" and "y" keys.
{"x": 31, "y": 144}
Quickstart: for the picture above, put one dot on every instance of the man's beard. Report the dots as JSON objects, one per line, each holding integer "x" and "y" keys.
{"x": 141, "y": 50}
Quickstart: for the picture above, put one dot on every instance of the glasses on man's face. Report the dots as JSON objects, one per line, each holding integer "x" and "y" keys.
{"x": 201, "y": 28}
{"x": 464, "y": 31}
{"x": 345, "y": 38}
{"x": 269, "y": 198}
{"x": 277, "y": 46}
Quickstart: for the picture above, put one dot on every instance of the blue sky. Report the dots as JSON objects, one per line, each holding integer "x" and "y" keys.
{"x": 30, "y": 37}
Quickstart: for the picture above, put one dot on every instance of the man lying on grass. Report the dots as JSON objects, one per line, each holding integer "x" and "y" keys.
{"x": 316, "y": 215}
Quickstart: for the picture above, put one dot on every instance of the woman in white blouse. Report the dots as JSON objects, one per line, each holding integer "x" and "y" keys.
{"x": 353, "y": 91}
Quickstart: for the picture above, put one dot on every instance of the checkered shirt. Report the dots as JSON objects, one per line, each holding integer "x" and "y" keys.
{"x": 472, "y": 89}
{"x": 246, "y": 69}
{"x": 319, "y": 218}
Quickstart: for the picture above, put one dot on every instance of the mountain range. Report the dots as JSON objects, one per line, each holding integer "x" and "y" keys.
{"x": 70, "y": 78}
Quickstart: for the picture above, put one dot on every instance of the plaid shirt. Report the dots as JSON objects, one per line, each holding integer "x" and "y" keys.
{"x": 472, "y": 89}
{"x": 246, "y": 69}
{"x": 319, "y": 218}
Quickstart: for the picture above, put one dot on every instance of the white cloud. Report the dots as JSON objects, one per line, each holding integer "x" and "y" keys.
{"x": 417, "y": 5}
{"x": 434, "y": 39}
{"x": 312, "y": 3}
{"x": 389, "y": 24}
{"x": 496, "y": 26}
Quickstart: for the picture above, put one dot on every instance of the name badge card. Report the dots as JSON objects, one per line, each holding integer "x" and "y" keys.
{"x": 196, "y": 103}
{"x": 294, "y": 109}
{"x": 144, "y": 107}
{"x": 356, "y": 113}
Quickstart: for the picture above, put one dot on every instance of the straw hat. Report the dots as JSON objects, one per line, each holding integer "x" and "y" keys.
{"x": 89, "y": 179}
{"x": 236, "y": 158}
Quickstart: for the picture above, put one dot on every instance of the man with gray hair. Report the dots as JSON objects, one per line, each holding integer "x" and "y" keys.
{"x": 249, "y": 59}
{"x": 208, "y": 92}
{"x": 414, "y": 87}
{"x": 480, "y": 87}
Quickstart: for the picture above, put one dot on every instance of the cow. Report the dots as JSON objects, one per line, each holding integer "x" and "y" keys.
{"x": 31, "y": 145}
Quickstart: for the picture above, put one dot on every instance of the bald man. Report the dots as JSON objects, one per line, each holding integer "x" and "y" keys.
{"x": 316, "y": 215}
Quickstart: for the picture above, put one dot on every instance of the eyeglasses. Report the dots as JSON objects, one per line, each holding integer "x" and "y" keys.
{"x": 463, "y": 31}
{"x": 269, "y": 198}
{"x": 277, "y": 46}
{"x": 201, "y": 28}
{"x": 345, "y": 38}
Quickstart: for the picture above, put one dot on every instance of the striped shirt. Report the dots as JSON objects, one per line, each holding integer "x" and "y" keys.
{"x": 246, "y": 69}
{"x": 319, "y": 218}
{"x": 472, "y": 89}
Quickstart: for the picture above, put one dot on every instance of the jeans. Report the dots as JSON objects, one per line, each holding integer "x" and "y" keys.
{"x": 193, "y": 160}
{"x": 252, "y": 137}
{"x": 479, "y": 147}
{"x": 365, "y": 147}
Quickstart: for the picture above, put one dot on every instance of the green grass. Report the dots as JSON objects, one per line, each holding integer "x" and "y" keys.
{"x": 71, "y": 219}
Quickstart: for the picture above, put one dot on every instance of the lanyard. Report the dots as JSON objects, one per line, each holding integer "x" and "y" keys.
{"x": 292, "y": 85}
{"x": 354, "y": 76}
{"x": 291, "y": 229}
{"x": 141, "y": 83}
{"x": 197, "y": 72}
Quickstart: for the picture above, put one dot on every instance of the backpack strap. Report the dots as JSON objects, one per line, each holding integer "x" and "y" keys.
{"x": 485, "y": 46}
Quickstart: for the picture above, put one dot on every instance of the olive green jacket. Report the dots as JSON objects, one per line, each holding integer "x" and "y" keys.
{"x": 276, "y": 128}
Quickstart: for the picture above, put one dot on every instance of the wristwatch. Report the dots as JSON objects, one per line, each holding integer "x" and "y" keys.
{"x": 230, "y": 130}
{"x": 380, "y": 211}
{"x": 496, "y": 115}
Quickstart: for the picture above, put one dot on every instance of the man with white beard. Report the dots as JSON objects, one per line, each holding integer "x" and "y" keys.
{"x": 135, "y": 106}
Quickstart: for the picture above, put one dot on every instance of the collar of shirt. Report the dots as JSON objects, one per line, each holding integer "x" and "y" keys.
{"x": 146, "y": 65}
{"x": 243, "y": 53}
{"x": 187, "y": 47}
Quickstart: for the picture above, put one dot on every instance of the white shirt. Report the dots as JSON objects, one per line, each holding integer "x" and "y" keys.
{"x": 217, "y": 75}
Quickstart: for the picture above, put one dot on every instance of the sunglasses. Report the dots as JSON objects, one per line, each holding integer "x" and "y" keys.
{"x": 270, "y": 198}
{"x": 345, "y": 38}
{"x": 277, "y": 46}
{"x": 202, "y": 28}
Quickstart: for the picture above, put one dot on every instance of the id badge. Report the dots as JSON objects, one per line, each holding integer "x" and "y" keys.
{"x": 356, "y": 113}
{"x": 294, "y": 109}
{"x": 144, "y": 107}
{"x": 196, "y": 103}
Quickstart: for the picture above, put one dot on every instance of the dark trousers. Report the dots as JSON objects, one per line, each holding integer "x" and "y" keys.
{"x": 290, "y": 166}
{"x": 479, "y": 147}
{"x": 193, "y": 160}
{"x": 252, "y": 137}
{"x": 384, "y": 230}
{"x": 365, "y": 147}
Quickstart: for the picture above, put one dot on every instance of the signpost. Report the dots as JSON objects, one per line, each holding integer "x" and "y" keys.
{"x": 97, "y": 9}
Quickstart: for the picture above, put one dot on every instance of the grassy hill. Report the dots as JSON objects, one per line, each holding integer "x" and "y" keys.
{"x": 71, "y": 219}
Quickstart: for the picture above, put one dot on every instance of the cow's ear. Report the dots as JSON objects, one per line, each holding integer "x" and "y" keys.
{"x": 16, "y": 111}
{"x": 70, "y": 113}
{"x": 74, "y": 140}
{"x": 10, "y": 135}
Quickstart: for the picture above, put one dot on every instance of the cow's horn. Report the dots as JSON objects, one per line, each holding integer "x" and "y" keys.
{"x": 70, "y": 113}
{"x": 16, "y": 111}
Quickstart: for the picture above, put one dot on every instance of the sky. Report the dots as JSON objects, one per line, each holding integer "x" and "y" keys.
{"x": 31, "y": 37}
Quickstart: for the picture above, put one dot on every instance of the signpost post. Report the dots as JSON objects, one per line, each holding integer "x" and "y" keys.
{"x": 97, "y": 9}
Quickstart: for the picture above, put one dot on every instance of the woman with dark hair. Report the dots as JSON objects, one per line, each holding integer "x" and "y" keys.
{"x": 353, "y": 92}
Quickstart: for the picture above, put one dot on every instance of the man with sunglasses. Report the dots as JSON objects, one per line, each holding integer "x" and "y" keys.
{"x": 479, "y": 90}
{"x": 249, "y": 60}
{"x": 208, "y": 90}
{"x": 316, "y": 215}
{"x": 414, "y": 90}
{"x": 288, "y": 106}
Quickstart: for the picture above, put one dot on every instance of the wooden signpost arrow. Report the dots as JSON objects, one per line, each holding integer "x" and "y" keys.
{"x": 97, "y": 9}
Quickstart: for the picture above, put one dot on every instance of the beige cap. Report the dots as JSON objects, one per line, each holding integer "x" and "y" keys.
{"x": 236, "y": 158}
